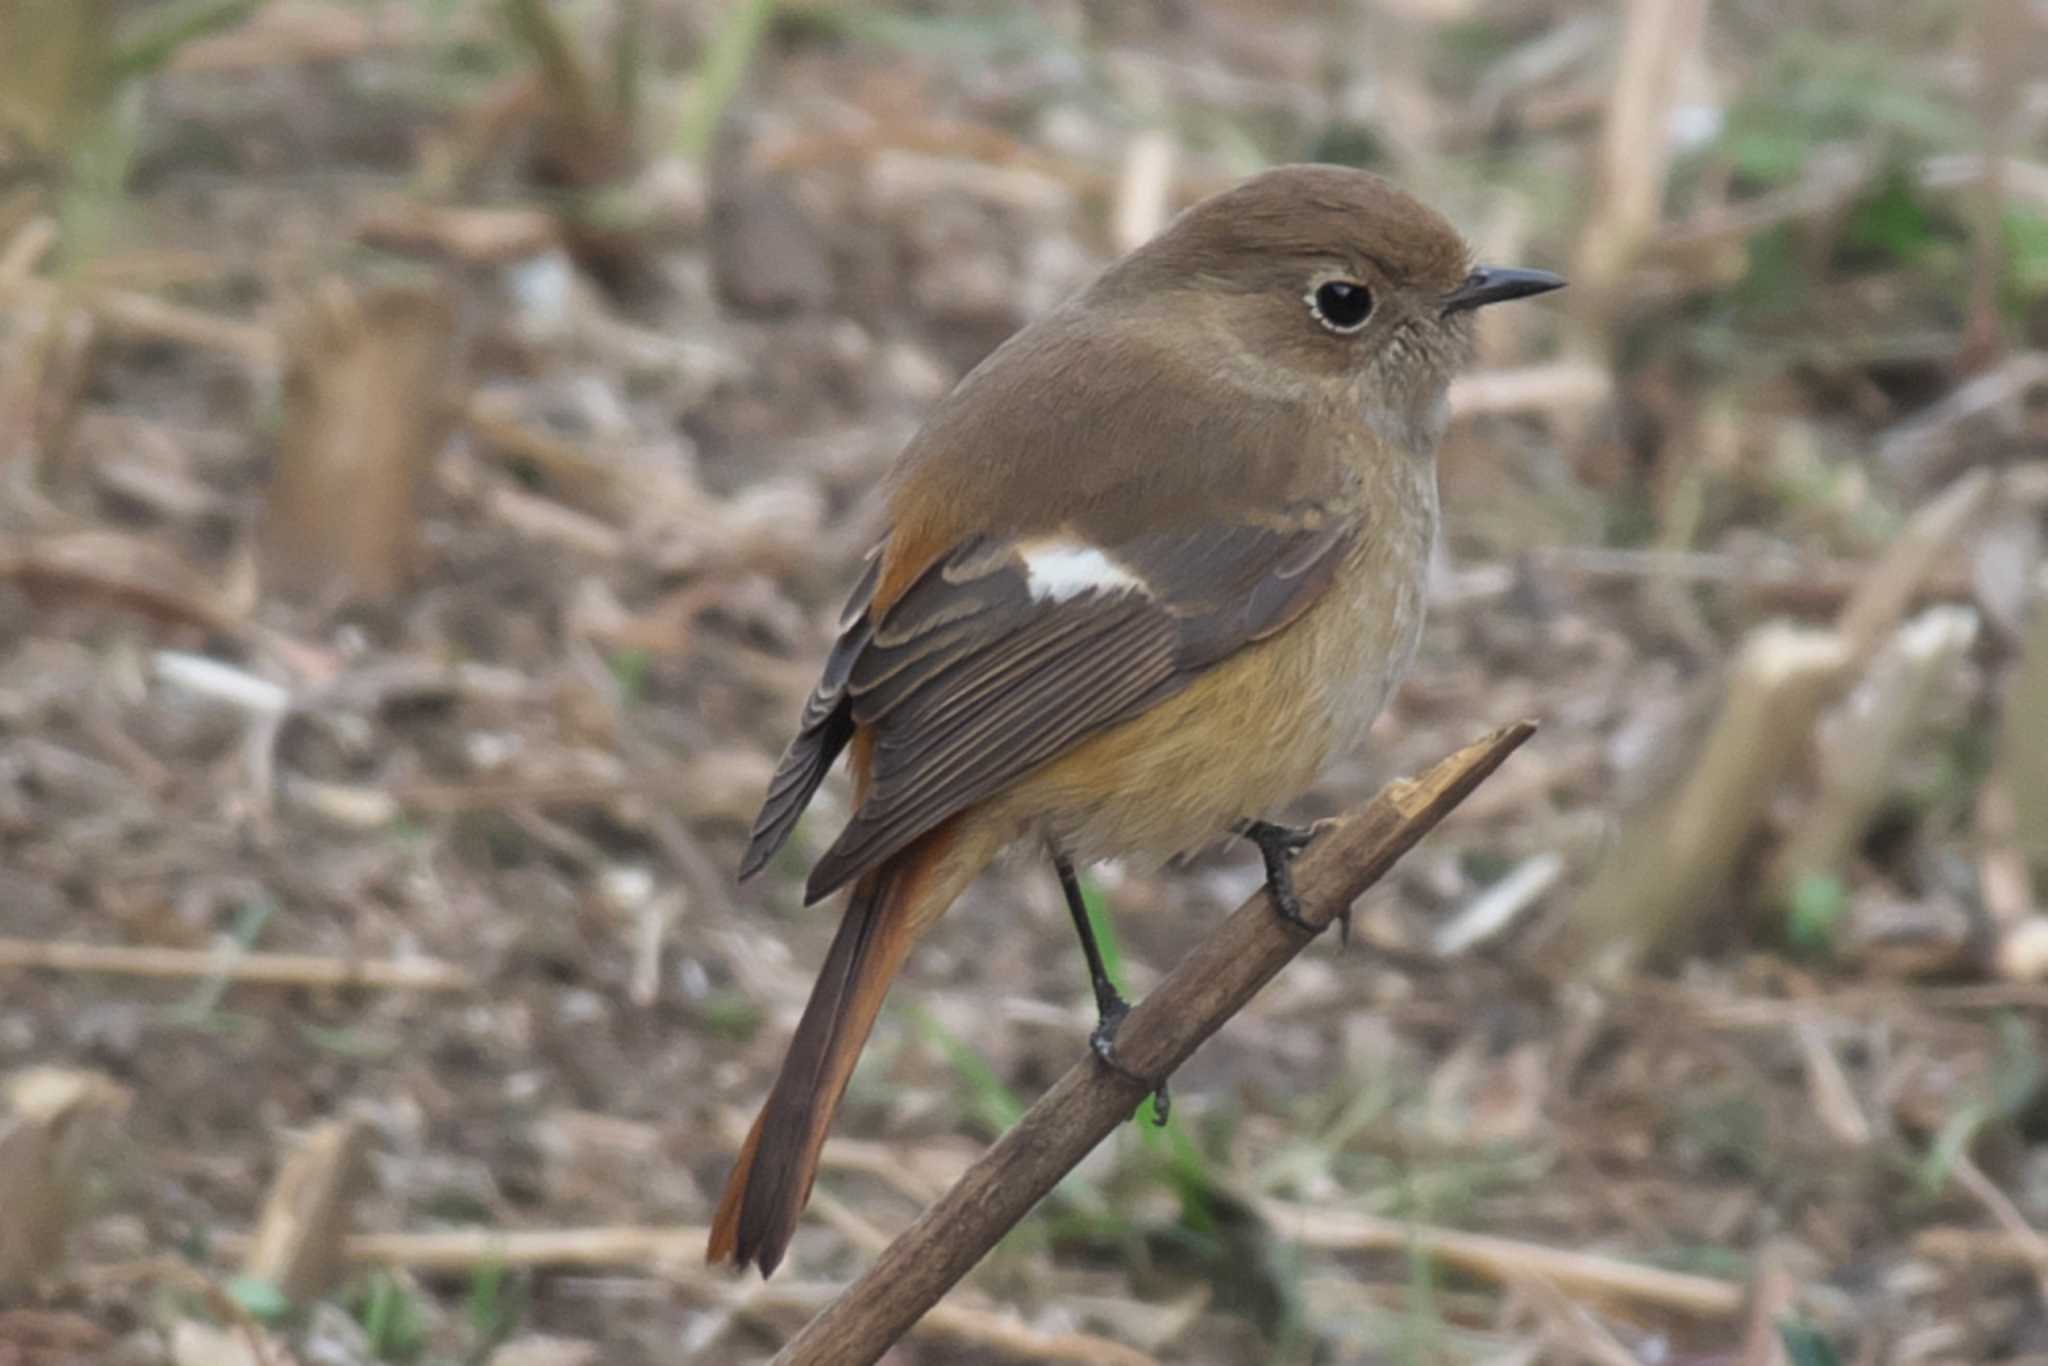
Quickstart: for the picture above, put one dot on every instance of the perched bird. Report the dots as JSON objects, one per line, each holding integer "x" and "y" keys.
{"x": 1146, "y": 570}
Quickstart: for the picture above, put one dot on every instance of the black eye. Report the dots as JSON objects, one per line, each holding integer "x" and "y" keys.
{"x": 1342, "y": 305}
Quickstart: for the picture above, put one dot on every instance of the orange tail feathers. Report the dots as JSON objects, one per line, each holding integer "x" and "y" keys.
{"x": 886, "y": 913}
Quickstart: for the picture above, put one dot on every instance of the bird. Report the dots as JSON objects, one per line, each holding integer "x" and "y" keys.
{"x": 1144, "y": 572}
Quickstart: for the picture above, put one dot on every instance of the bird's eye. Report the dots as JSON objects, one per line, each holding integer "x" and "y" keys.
{"x": 1341, "y": 305}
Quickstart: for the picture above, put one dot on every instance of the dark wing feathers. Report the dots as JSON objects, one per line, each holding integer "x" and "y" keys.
{"x": 1232, "y": 585}
{"x": 969, "y": 681}
{"x": 945, "y": 751}
{"x": 821, "y": 733}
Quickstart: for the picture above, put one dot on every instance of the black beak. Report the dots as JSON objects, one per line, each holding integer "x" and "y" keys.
{"x": 1497, "y": 285}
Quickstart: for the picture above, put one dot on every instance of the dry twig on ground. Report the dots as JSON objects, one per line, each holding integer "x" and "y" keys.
{"x": 235, "y": 965}
{"x": 1508, "y": 1259}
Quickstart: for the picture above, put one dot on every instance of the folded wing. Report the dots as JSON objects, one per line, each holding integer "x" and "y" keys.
{"x": 1004, "y": 654}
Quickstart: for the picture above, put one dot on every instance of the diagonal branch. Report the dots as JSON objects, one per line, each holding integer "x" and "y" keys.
{"x": 1211, "y": 984}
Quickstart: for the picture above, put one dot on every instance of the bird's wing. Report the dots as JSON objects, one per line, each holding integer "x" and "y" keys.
{"x": 1004, "y": 653}
{"x": 826, "y": 726}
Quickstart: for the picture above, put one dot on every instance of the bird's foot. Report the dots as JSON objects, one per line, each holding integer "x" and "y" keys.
{"x": 1278, "y": 845}
{"x": 1109, "y": 1019}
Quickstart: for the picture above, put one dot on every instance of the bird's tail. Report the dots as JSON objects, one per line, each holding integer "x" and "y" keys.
{"x": 887, "y": 911}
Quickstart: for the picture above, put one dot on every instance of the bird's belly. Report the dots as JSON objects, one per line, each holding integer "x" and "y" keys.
{"x": 1239, "y": 742}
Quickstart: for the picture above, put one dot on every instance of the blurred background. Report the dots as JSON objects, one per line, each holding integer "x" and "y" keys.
{"x": 435, "y": 438}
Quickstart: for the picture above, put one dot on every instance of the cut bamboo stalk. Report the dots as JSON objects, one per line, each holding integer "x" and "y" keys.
{"x": 46, "y": 1135}
{"x": 365, "y": 412}
{"x": 297, "y": 1246}
{"x": 1682, "y": 854}
{"x": 1859, "y": 758}
{"x": 1676, "y": 858}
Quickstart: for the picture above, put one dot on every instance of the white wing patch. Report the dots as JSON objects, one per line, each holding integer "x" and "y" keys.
{"x": 1060, "y": 570}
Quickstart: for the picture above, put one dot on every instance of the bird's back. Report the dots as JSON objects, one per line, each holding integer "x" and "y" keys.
{"x": 1073, "y": 425}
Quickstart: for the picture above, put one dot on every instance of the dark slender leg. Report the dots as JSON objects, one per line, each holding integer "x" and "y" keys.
{"x": 1110, "y": 1007}
{"x": 1278, "y": 844}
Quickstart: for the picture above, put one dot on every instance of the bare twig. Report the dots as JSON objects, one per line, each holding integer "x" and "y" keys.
{"x": 146, "y": 317}
{"x": 129, "y": 570}
{"x": 1493, "y": 910}
{"x": 2024, "y": 1238}
{"x": 143, "y": 576}
{"x": 1988, "y": 1247}
{"x": 267, "y": 969}
{"x": 464, "y": 1249}
{"x": 478, "y": 234}
{"x": 1833, "y": 1098}
{"x": 1508, "y": 1259}
{"x": 1211, "y": 984}
{"x": 553, "y": 524}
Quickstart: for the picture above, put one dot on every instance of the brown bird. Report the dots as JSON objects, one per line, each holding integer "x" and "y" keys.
{"x": 1146, "y": 570}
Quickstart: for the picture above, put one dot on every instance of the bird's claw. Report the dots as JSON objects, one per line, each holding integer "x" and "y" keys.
{"x": 1103, "y": 1043}
{"x": 1278, "y": 845}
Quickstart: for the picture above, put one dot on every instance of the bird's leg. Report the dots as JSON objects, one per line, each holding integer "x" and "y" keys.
{"x": 1278, "y": 844}
{"x": 1110, "y": 1006}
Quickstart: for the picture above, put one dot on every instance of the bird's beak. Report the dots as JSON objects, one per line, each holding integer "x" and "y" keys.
{"x": 1498, "y": 284}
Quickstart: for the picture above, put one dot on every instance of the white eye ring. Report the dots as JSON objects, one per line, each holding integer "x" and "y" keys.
{"x": 1339, "y": 304}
